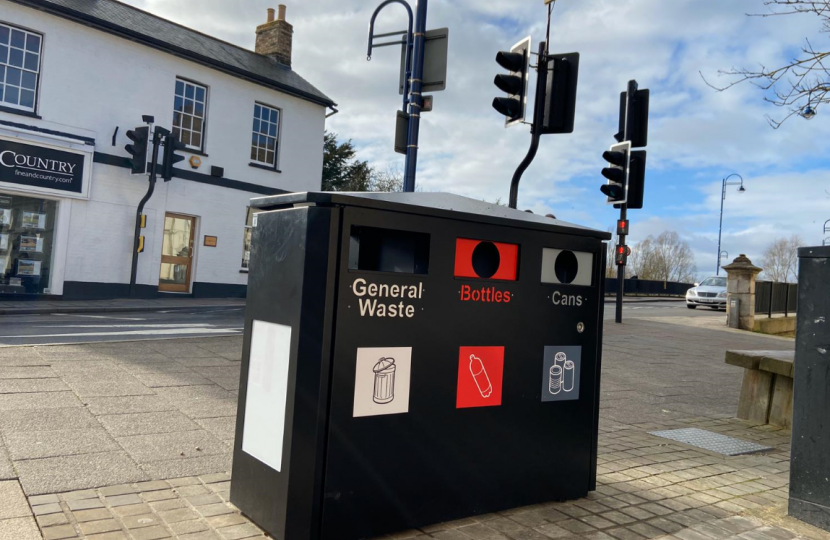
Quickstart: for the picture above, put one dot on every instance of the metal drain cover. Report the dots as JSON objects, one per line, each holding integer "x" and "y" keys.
{"x": 714, "y": 442}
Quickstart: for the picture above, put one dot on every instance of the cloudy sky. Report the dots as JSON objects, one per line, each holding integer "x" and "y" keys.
{"x": 696, "y": 136}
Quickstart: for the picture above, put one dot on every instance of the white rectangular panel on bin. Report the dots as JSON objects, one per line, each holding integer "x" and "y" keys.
{"x": 561, "y": 266}
{"x": 264, "y": 429}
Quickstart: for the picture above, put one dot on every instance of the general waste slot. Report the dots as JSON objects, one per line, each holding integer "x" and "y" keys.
{"x": 414, "y": 358}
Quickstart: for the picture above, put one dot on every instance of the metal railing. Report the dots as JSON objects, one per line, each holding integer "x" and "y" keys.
{"x": 772, "y": 297}
{"x": 647, "y": 287}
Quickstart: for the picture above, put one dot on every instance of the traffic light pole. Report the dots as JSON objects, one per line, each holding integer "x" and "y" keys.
{"x": 621, "y": 268}
{"x": 415, "y": 98}
{"x": 536, "y": 127}
{"x": 152, "y": 179}
{"x": 631, "y": 92}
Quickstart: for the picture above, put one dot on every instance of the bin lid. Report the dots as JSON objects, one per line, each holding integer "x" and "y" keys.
{"x": 384, "y": 365}
{"x": 445, "y": 205}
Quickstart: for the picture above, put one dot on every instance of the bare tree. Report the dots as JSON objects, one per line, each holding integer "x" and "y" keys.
{"x": 664, "y": 258}
{"x": 389, "y": 180}
{"x": 780, "y": 260}
{"x": 800, "y": 85}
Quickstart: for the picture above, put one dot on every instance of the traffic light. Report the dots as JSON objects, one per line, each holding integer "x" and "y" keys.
{"x": 514, "y": 84}
{"x": 617, "y": 174}
{"x": 138, "y": 149}
{"x": 560, "y": 93}
{"x": 637, "y": 119}
{"x": 636, "y": 179}
{"x": 621, "y": 255}
{"x": 171, "y": 146}
{"x": 622, "y": 227}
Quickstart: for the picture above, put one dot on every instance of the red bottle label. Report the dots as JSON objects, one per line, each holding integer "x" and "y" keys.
{"x": 480, "y": 373}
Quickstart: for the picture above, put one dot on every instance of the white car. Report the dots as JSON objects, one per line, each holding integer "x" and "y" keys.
{"x": 711, "y": 293}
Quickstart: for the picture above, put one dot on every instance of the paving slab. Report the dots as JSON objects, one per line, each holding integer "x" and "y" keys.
{"x": 224, "y": 427}
{"x": 98, "y": 389}
{"x": 38, "y": 400}
{"x": 69, "y": 442}
{"x": 103, "y": 405}
{"x": 154, "y": 380}
{"x": 6, "y": 469}
{"x": 59, "y": 474}
{"x": 19, "y": 529}
{"x": 208, "y": 408}
{"x": 26, "y": 372}
{"x": 12, "y": 501}
{"x": 15, "y": 421}
{"x": 167, "y": 446}
{"x": 191, "y": 466}
{"x": 18, "y": 386}
{"x": 120, "y": 425}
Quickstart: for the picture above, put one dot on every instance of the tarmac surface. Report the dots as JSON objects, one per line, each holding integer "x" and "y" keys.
{"x": 108, "y": 323}
{"x": 134, "y": 440}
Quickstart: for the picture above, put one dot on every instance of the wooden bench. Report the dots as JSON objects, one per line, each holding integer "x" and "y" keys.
{"x": 767, "y": 389}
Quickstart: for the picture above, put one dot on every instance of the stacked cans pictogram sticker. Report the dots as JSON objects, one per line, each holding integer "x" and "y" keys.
{"x": 560, "y": 373}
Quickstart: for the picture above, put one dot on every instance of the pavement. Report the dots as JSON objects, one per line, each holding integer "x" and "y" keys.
{"x": 133, "y": 440}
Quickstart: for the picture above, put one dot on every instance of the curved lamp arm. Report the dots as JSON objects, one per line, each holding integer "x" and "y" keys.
{"x": 409, "y": 42}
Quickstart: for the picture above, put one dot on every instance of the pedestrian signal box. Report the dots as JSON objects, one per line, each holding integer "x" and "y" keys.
{"x": 411, "y": 359}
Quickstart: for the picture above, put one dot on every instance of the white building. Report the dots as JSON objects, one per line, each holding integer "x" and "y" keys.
{"x": 75, "y": 76}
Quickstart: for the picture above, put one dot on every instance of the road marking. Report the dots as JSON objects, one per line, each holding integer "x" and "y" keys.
{"x": 160, "y": 332}
{"x": 167, "y": 325}
{"x": 97, "y": 317}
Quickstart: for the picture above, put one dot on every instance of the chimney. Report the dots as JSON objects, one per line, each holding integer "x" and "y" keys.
{"x": 273, "y": 39}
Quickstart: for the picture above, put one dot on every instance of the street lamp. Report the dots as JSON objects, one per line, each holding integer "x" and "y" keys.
{"x": 826, "y": 240}
{"x": 723, "y": 198}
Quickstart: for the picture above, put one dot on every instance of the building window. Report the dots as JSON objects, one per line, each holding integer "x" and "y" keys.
{"x": 246, "y": 240}
{"x": 19, "y": 67}
{"x": 190, "y": 113}
{"x": 266, "y": 135}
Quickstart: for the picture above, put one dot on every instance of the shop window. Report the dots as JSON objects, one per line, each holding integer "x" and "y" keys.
{"x": 27, "y": 228}
{"x": 19, "y": 67}
{"x": 190, "y": 114}
{"x": 265, "y": 138}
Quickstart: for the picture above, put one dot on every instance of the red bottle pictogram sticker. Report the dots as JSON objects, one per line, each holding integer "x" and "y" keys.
{"x": 481, "y": 259}
{"x": 480, "y": 372}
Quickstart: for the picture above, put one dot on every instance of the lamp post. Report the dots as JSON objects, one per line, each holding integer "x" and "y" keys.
{"x": 826, "y": 240}
{"x": 723, "y": 198}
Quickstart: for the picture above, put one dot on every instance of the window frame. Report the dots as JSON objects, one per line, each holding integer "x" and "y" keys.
{"x": 19, "y": 109}
{"x": 189, "y": 147}
{"x": 264, "y": 164}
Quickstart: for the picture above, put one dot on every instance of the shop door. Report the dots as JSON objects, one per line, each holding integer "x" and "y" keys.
{"x": 177, "y": 253}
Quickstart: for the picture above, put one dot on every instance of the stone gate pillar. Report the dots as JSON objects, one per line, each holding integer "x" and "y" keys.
{"x": 740, "y": 284}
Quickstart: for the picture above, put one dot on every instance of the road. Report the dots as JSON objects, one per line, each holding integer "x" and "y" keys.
{"x": 660, "y": 308}
{"x": 90, "y": 327}
{"x": 58, "y": 328}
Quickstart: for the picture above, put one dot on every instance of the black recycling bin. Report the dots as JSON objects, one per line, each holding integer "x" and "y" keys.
{"x": 414, "y": 358}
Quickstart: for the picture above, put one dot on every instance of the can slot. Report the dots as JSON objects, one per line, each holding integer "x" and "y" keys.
{"x": 388, "y": 250}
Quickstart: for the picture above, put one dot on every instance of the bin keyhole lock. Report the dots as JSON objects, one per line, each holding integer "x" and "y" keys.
{"x": 580, "y": 327}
